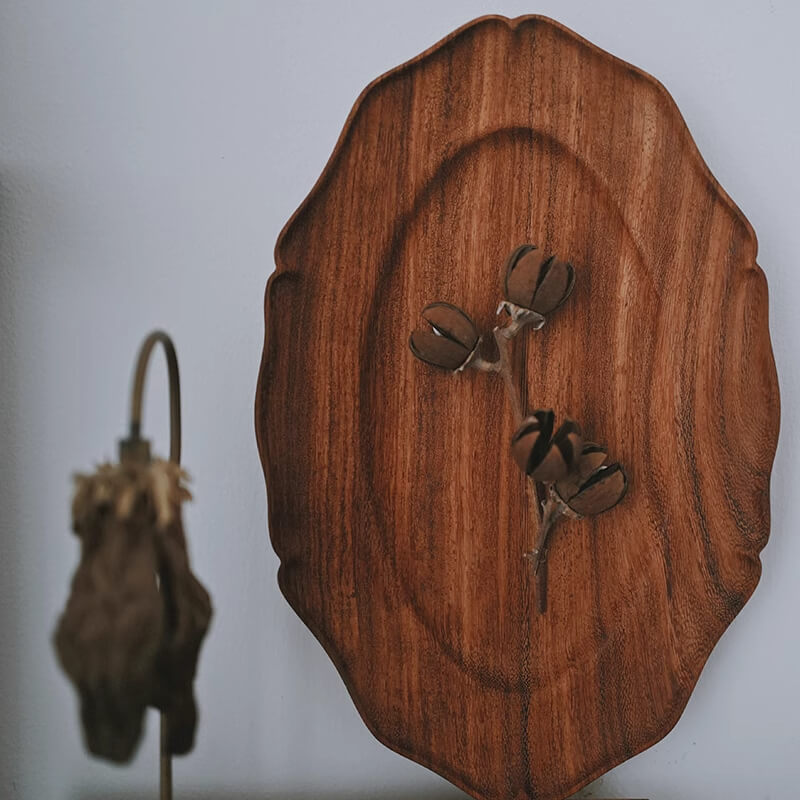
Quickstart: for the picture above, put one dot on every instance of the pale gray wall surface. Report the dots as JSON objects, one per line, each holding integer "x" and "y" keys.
{"x": 149, "y": 154}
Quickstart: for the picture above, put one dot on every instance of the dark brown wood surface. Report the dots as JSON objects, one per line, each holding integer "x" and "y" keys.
{"x": 398, "y": 514}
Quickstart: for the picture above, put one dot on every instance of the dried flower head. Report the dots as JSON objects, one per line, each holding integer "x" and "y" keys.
{"x": 593, "y": 486}
{"x": 452, "y": 341}
{"x": 537, "y": 282}
{"x": 540, "y": 453}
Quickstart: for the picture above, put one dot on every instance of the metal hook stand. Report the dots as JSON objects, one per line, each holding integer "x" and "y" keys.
{"x": 135, "y": 447}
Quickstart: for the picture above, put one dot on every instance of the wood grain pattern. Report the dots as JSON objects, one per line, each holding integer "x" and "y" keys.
{"x": 398, "y": 514}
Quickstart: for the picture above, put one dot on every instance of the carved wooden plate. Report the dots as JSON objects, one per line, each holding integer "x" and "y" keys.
{"x": 398, "y": 515}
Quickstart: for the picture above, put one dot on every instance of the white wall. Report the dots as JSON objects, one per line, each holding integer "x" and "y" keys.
{"x": 149, "y": 154}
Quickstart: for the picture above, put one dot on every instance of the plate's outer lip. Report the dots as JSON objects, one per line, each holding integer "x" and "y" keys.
{"x": 512, "y": 23}
{"x": 681, "y": 699}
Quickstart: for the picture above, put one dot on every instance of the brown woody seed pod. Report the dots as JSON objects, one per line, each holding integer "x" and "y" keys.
{"x": 542, "y": 455}
{"x": 537, "y": 282}
{"x": 593, "y": 486}
{"x": 452, "y": 341}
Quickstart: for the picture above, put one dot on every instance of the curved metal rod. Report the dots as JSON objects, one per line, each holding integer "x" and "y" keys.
{"x": 174, "y": 391}
{"x": 137, "y": 396}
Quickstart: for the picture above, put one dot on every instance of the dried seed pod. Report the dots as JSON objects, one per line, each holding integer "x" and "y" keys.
{"x": 593, "y": 486}
{"x": 540, "y": 453}
{"x": 188, "y": 614}
{"x": 131, "y": 631}
{"x": 537, "y": 282}
{"x": 452, "y": 342}
{"x": 109, "y": 635}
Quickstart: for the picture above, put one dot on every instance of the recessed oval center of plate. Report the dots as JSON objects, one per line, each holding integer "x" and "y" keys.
{"x": 434, "y": 452}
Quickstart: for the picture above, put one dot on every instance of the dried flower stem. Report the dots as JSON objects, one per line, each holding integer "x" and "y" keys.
{"x": 545, "y": 504}
{"x": 503, "y": 336}
{"x": 482, "y": 365}
{"x": 545, "y": 507}
{"x": 552, "y": 511}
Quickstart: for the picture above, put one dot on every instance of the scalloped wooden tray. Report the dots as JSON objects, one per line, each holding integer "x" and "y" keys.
{"x": 398, "y": 515}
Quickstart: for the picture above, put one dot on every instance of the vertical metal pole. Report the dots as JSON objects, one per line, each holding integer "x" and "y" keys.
{"x": 165, "y": 757}
{"x": 165, "y": 762}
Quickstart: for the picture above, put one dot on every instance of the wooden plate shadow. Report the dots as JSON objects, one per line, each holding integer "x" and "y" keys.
{"x": 394, "y": 506}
